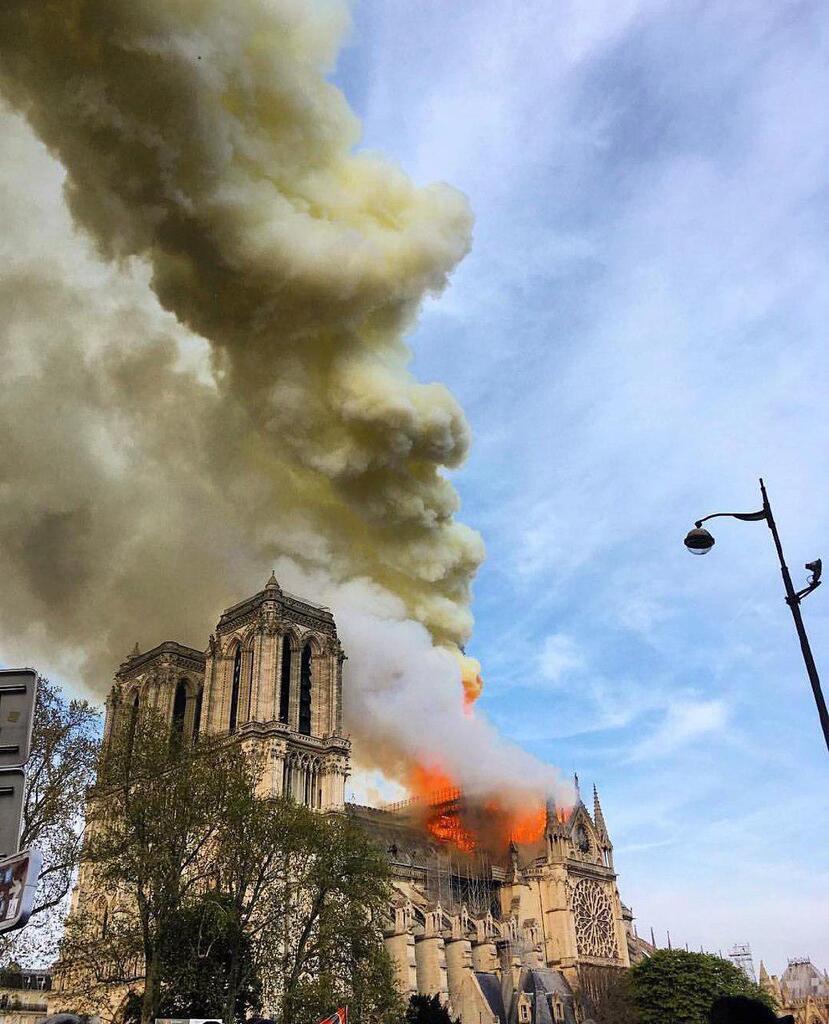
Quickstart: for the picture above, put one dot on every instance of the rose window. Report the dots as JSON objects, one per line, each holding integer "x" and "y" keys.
{"x": 593, "y": 913}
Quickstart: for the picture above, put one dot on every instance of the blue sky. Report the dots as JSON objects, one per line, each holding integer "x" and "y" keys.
{"x": 637, "y": 335}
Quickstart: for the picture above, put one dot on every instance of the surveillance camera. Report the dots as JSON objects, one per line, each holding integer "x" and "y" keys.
{"x": 815, "y": 568}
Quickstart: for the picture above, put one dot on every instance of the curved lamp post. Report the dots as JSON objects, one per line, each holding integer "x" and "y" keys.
{"x": 699, "y": 542}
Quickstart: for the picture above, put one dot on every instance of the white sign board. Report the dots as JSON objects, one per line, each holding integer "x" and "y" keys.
{"x": 12, "y": 794}
{"x": 18, "y": 688}
{"x": 18, "y": 885}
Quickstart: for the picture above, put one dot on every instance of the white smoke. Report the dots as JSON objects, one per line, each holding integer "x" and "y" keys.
{"x": 205, "y": 366}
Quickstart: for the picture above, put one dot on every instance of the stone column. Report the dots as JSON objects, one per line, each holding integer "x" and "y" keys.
{"x": 220, "y": 692}
{"x": 430, "y": 965}
{"x": 558, "y": 929}
{"x": 338, "y": 694}
{"x": 277, "y": 758}
{"x": 206, "y": 724}
{"x": 278, "y": 642}
{"x": 458, "y": 970}
{"x": 621, "y": 934}
{"x": 270, "y": 707}
{"x": 510, "y": 963}
{"x": 337, "y": 791}
{"x": 485, "y": 956}
{"x": 113, "y": 704}
{"x": 321, "y": 692}
{"x": 401, "y": 949}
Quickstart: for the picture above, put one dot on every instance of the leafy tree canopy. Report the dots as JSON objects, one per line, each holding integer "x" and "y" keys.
{"x": 199, "y": 883}
{"x": 198, "y": 950}
{"x": 427, "y": 1010}
{"x": 680, "y": 987}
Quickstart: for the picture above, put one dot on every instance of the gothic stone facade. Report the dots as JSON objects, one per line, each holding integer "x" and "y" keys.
{"x": 500, "y": 942}
{"x": 802, "y": 990}
{"x": 271, "y": 673}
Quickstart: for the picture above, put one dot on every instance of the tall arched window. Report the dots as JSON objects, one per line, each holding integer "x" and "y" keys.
{"x": 197, "y": 714}
{"x": 285, "y": 681}
{"x": 132, "y": 723}
{"x": 305, "y": 691}
{"x": 234, "y": 693}
{"x": 179, "y": 711}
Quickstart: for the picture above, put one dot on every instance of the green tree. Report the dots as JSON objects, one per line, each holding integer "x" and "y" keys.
{"x": 154, "y": 818}
{"x": 197, "y": 953}
{"x": 61, "y": 766}
{"x": 679, "y": 987}
{"x": 328, "y": 950}
{"x": 299, "y": 898}
{"x": 427, "y": 1010}
{"x": 604, "y": 994}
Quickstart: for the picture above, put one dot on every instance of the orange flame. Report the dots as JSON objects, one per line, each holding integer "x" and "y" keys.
{"x": 450, "y": 821}
{"x": 431, "y": 783}
{"x": 472, "y": 688}
{"x": 471, "y": 680}
{"x": 448, "y": 828}
{"x": 527, "y": 826}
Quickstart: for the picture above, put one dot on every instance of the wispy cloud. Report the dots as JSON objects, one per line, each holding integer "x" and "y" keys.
{"x": 560, "y": 655}
{"x": 683, "y": 723}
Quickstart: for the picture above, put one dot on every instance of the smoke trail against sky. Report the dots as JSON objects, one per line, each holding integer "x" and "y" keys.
{"x": 261, "y": 409}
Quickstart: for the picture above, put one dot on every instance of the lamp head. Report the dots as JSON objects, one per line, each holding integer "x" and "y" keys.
{"x": 699, "y": 541}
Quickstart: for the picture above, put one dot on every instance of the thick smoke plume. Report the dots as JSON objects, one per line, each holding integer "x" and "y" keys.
{"x": 206, "y": 371}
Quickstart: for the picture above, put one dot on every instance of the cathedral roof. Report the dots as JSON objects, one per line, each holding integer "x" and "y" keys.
{"x": 491, "y": 988}
{"x": 180, "y": 654}
{"x": 316, "y": 616}
{"x": 802, "y": 979}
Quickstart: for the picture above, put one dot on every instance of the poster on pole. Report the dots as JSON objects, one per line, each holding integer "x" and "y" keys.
{"x": 18, "y": 885}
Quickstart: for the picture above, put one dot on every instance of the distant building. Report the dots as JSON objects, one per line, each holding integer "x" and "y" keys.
{"x": 23, "y": 995}
{"x": 802, "y": 990}
{"x": 504, "y": 939}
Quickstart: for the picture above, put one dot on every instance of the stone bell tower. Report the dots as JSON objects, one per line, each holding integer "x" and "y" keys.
{"x": 271, "y": 674}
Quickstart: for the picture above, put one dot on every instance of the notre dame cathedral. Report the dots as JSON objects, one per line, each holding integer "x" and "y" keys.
{"x": 502, "y": 940}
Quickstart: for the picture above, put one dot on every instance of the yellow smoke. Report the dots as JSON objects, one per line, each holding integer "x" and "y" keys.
{"x": 203, "y": 313}
{"x": 204, "y": 138}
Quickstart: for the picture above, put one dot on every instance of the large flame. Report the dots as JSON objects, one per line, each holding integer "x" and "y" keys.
{"x": 493, "y": 821}
{"x": 527, "y": 825}
{"x": 471, "y": 680}
{"x": 431, "y": 783}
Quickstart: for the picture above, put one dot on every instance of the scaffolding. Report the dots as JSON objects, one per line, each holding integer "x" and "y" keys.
{"x": 462, "y": 880}
{"x": 741, "y": 956}
{"x": 450, "y": 876}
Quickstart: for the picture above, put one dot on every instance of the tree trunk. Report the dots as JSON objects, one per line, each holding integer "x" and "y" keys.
{"x": 233, "y": 980}
{"x": 149, "y": 1004}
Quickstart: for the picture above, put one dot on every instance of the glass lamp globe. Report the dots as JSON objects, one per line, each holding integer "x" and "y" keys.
{"x": 699, "y": 541}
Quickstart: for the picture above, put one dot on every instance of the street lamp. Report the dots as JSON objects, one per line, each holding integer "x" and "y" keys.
{"x": 700, "y": 542}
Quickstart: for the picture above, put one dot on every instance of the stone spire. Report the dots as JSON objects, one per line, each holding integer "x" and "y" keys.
{"x": 578, "y": 789}
{"x": 598, "y": 817}
{"x": 272, "y": 583}
{"x": 765, "y": 980}
{"x": 555, "y": 825}
{"x": 135, "y": 651}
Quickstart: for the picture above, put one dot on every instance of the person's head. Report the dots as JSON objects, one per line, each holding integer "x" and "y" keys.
{"x": 742, "y": 1010}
